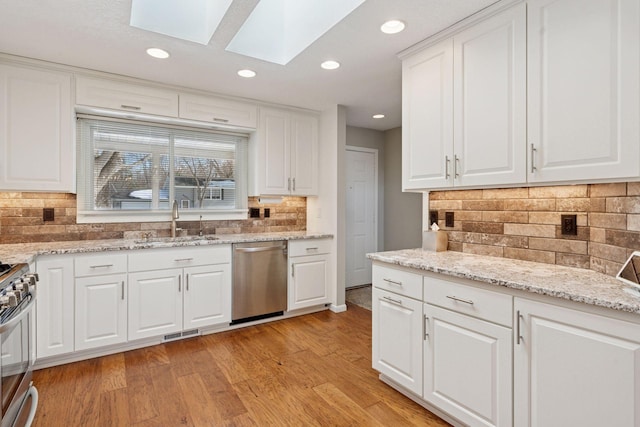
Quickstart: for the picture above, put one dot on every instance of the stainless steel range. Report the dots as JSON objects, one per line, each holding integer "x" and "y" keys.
{"x": 17, "y": 299}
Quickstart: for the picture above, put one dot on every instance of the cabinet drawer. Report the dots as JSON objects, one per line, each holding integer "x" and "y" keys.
{"x": 309, "y": 247}
{"x": 126, "y": 97}
{"x": 480, "y": 303}
{"x": 100, "y": 264}
{"x": 218, "y": 110}
{"x": 157, "y": 259}
{"x": 398, "y": 281}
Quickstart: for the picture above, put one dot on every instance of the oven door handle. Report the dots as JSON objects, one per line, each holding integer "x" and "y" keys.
{"x": 33, "y": 392}
{"x": 8, "y": 326}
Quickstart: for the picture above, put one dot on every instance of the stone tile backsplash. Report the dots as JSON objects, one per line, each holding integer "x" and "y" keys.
{"x": 524, "y": 223}
{"x": 21, "y": 220}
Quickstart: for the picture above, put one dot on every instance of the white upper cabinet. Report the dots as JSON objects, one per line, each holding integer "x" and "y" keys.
{"x": 489, "y": 100}
{"x": 427, "y": 118}
{"x": 218, "y": 110}
{"x": 126, "y": 97}
{"x": 287, "y": 153}
{"x": 36, "y": 130}
{"x": 584, "y": 91}
{"x": 464, "y": 107}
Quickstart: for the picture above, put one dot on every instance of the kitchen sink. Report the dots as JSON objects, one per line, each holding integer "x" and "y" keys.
{"x": 177, "y": 239}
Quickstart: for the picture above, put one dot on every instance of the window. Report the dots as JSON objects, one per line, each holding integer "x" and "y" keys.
{"x": 132, "y": 171}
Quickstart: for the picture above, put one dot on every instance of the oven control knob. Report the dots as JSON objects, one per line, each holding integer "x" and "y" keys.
{"x": 13, "y": 299}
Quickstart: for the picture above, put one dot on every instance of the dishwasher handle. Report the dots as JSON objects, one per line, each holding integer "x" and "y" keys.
{"x": 261, "y": 249}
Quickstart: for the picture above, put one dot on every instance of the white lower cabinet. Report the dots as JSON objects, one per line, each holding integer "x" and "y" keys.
{"x": 54, "y": 306}
{"x": 467, "y": 367}
{"x": 155, "y": 303}
{"x": 574, "y": 368}
{"x": 207, "y": 296}
{"x": 100, "y": 311}
{"x": 309, "y": 273}
{"x": 397, "y": 338}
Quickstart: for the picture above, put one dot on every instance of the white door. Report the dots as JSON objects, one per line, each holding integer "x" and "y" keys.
{"x": 304, "y": 155}
{"x": 427, "y": 118}
{"x": 467, "y": 367}
{"x": 489, "y": 87}
{"x": 274, "y": 152}
{"x": 574, "y": 369}
{"x": 308, "y": 279}
{"x": 207, "y": 296}
{"x": 583, "y": 89}
{"x": 155, "y": 303}
{"x": 397, "y": 338}
{"x": 101, "y": 311}
{"x": 361, "y": 205}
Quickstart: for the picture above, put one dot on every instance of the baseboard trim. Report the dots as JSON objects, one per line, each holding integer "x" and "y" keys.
{"x": 338, "y": 308}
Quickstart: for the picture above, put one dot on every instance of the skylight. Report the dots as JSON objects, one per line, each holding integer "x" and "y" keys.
{"x": 193, "y": 20}
{"x": 278, "y": 30}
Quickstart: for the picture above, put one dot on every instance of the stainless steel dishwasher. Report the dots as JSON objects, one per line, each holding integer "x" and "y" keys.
{"x": 259, "y": 280}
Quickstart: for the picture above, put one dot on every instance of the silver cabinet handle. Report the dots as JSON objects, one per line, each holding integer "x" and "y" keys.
{"x": 533, "y": 160}
{"x": 518, "y": 336}
{"x": 294, "y": 184}
{"x": 393, "y": 282}
{"x": 425, "y": 327}
{"x": 130, "y": 107}
{"x": 183, "y": 259}
{"x": 101, "y": 266}
{"x": 466, "y": 301}
{"x": 293, "y": 270}
{"x": 456, "y": 161}
{"x": 219, "y": 120}
{"x": 122, "y": 284}
{"x": 180, "y": 283}
{"x": 312, "y": 249}
{"x": 187, "y": 282}
{"x": 289, "y": 184}
{"x": 446, "y": 167}
{"x": 397, "y": 301}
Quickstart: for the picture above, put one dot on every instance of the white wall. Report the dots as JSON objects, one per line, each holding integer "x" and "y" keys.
{"x": 326, "y": 212}
{"x": 369, "y": 138}
{"x": 403, "y": 211}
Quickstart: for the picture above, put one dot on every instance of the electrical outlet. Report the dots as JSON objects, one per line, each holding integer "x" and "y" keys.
{"x": 448, "y": 219}
{"x": 267, "y": 212}
{"x": 48, "y": 214}
{"x": 433, "y": 217}
{"x": 254, "y": 212}
{"x": 569, "y": 225}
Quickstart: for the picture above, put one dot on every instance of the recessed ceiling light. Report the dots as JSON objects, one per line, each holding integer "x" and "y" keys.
{"x": 157, "y": 53}
{"x": 392, "y": 27}
{"x": 378, "y": 116}
{"x": 247, "y": 73}
{"x": 330, "y": 65}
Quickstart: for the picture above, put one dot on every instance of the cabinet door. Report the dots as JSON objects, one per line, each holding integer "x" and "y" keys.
{"x": 126, "y": 97}
{"x": 101, "y": 311}
{"x": 207, "y": 296}
{"x": 575, "y": 368}
{"x": 274, "y": 152}
{"x": 36, "y": 130}
{"x": 427, "y": 118}
{"x": 583, "y": 89}
{"x": 308, "y": 281}
{"x": 218, "y": 110}
{"x": 467, "y": 368}
{"x": 304, "y": 155}
{"x": 155, "y": 303}
{"x": 397, "y": 338}
{"x": 490, "y": 101}
{"x": 54, "y": 307}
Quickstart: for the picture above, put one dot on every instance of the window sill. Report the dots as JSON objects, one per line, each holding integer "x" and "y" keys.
{"x": 89, "y": 217}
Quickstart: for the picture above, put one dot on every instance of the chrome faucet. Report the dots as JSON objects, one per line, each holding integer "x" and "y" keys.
{"x": 174, "y": 215}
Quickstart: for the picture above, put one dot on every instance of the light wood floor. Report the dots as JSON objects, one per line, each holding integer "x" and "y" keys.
{"x": 312, "y": 370}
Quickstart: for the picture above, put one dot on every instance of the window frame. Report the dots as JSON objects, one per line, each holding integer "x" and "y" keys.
{"x": 85, "y": 171}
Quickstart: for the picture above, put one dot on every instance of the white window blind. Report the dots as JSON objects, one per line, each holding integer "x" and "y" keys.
{"x": 136, "y": 166}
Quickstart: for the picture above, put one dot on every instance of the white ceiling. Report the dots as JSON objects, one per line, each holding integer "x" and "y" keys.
{"x": 95, "y": 34}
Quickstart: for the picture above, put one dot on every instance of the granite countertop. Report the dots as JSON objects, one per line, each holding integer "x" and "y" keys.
{"x": 26, "y": 252}
{"x": 574, "y": 284}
